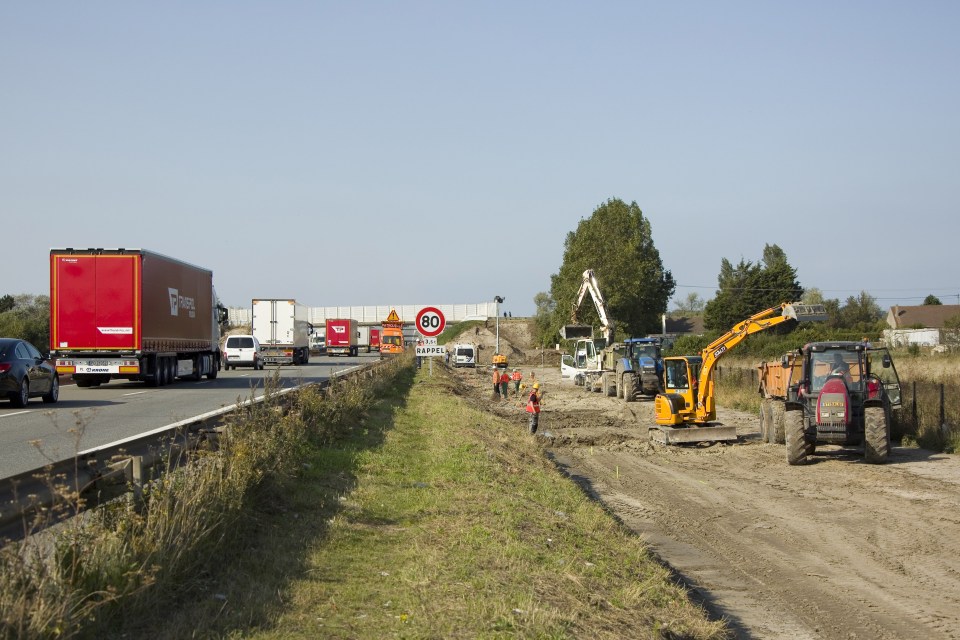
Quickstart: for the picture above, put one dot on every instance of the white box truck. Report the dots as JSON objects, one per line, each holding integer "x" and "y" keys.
{"x": 363, "y": 338}
{"x": 283, "y": 331}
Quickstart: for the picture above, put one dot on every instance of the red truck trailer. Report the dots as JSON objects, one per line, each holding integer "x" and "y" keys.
{"x": 342, "y": 337}
{"x": 134, "y": 315}
{"x": 374, "y": 339}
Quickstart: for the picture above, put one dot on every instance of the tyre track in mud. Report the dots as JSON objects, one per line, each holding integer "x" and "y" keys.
{"x": 834, "y": 549}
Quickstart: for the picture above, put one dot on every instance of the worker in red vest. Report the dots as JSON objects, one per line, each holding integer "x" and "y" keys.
{"x": 516, "y": 377}
{"x": 533, "y": 407}
{"x": 504, "y": 383}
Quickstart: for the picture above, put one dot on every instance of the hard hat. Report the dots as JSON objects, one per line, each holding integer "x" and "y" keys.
{"x": 536, "y": 385}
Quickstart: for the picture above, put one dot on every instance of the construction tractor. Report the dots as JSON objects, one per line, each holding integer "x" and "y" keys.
{"x": 640, "y": 369}
{"x": 836, "y": 393}
{"x": 500, "y": 361}
{"x": 686, "y": 408}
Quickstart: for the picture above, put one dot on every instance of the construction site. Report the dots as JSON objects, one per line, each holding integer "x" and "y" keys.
{"x": 836, "y": 547}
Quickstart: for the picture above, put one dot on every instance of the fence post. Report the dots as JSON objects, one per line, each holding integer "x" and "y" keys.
{"x": 915, "y": 425}
{"x": 943, "y": 416}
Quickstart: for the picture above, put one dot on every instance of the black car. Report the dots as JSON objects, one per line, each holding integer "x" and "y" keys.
{"x": 25, "y": 374}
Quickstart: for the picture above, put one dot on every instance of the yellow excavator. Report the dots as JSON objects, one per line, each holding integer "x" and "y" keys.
{"x": 686, "y": 408}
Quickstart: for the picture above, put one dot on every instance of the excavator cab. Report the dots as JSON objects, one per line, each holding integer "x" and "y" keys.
{"x": 675, "y": 405}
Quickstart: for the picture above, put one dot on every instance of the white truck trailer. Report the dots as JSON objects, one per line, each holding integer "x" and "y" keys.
{"x": 282, "y": 328}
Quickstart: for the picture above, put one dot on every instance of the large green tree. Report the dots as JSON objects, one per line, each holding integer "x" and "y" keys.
{"x": 616, "y": 241}
{"x": 750, "y": 287}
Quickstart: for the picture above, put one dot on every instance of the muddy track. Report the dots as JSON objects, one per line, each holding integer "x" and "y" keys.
{"x": 834, "y": 549}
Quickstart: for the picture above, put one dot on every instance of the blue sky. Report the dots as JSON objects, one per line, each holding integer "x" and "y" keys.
{"x": 437, "y": 153}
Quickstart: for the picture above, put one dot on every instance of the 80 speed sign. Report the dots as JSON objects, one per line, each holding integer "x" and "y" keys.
{"x": 430, "y": 322}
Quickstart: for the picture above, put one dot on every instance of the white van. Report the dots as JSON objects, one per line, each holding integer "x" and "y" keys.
{"x": 464, "y": 355}
{"x": 242, "y": 351}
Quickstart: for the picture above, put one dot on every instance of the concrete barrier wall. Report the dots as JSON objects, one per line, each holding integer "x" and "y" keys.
{"x": 377, "y": 314}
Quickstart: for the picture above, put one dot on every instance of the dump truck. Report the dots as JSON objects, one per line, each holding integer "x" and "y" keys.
{"x": 281, "y": 326}
{"x": 686, "y": 410}
{"x": 839, "y": 393}
{"x": 342, "y": 337}
{"x": 773, "y": 382}
{"x": 131, "y": 314}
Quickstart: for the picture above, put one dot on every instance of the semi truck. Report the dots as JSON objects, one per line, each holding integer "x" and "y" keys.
{"x": 342, "y": 337}
{"x": 363, "y": 338}
{"x": 131, "y": 314}
{"x": 281, "y": 326}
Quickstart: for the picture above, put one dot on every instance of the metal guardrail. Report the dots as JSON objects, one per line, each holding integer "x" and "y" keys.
{"x": 33, "y": 500}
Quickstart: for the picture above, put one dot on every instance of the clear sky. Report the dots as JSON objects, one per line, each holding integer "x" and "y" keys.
{"x": 361, "y": 153}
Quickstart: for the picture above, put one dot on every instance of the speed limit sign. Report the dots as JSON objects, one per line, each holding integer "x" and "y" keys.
{"x": 430, "y": 322}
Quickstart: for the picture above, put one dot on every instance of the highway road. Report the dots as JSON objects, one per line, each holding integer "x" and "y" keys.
{"x": 96, "y": 416}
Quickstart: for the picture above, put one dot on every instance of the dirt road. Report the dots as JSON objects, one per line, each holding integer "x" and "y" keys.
{"x": 834, "y": 549}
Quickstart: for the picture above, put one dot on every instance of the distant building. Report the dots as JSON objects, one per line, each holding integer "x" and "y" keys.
{"x": 922, "y": 325}
{"x": 926, "y": 316}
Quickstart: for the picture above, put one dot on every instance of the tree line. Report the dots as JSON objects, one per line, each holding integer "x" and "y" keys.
{"x": 616, "y": 242}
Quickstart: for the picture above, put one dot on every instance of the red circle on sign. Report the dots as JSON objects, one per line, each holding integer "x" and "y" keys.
{"x": 430, "y": 322}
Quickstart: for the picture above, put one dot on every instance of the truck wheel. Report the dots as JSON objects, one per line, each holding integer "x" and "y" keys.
{"x": 777, "y": 431}
{"x": 619, "y": 385}
{"x": 796, "y": 445}
{"x": 765, "y": 418}
{"x": 212, "y": 374}
{"x": 876, "y": 436}
{"x": 629, "y": 386}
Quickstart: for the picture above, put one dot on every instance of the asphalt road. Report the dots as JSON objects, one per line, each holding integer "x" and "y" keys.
{"x": 96, "y": 416}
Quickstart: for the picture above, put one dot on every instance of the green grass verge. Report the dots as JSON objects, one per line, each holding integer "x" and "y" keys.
{"x": 436, "y": 520}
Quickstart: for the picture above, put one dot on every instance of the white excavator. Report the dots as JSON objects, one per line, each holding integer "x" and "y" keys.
{"x": 585, "y": 366}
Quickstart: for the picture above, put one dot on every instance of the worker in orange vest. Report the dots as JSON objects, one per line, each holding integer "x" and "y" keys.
{"x": 517, "y": 377}
{"x": 533, "y": 407}
{"x": 496, "y": 382}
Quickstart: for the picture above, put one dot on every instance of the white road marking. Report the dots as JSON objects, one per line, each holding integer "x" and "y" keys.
{"x": 18, "y": 413}
{"x": 135, "y": 393}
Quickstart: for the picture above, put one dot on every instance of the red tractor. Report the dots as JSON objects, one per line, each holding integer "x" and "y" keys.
{"x": 843, "y": 394}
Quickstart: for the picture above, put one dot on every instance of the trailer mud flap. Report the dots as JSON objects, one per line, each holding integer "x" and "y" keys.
{"x": 688, "y": 435}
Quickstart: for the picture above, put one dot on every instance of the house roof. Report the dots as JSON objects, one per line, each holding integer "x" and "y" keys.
{"x": 692, "y": 324}
{"x": 930, "y": 316}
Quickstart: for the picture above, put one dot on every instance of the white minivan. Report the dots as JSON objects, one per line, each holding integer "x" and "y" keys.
{"x": 242, "y": 351}
{"x": 464, "y": 355}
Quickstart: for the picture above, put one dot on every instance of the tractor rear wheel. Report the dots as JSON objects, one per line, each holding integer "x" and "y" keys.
{"x": 876, "y": 435}
{"x": 777, "y": 432}
{"x": 793, "y": 435}
{"x": 629, "y": 385}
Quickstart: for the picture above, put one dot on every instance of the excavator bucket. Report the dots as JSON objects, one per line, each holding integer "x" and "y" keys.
{"x": 576, "y": 331}
{"x": 806, "y": 312}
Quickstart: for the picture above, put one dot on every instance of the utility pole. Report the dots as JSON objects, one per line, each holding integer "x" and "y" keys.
{"x": 498, "y": 300}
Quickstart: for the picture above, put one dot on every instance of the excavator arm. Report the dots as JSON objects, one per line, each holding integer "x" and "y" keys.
{"x": 589, "y": 284}
{"x": 754, "y": 324}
